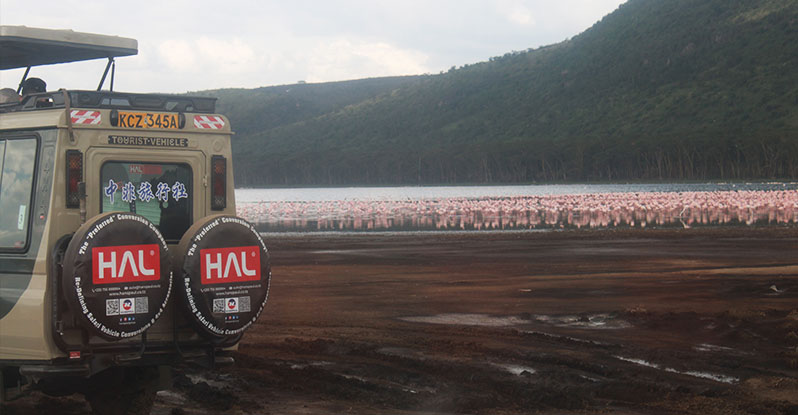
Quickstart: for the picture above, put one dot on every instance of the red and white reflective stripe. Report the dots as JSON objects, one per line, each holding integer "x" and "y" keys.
{"x": 85, "y": 117}
{"x": 209, "y": 122}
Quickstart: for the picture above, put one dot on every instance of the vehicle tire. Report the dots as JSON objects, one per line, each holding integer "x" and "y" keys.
{"x": 224, "y": 303}
{"x": 123, "y": 391}
{"x": 110, "y": 304}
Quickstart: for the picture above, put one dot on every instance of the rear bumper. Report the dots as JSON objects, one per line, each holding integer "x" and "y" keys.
{"x": 48, "y": 371}
{"x": 87, "y": 366}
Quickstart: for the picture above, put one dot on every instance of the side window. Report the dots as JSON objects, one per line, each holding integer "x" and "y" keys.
{"x": 17, "y": 160}
{"x": 161, "y": 192}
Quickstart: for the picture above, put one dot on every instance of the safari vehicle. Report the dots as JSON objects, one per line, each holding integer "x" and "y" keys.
{"x": 120, "y": 252}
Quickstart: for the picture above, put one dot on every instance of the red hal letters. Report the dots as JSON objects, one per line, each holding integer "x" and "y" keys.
{"x": 227, "y": 265}
{"x": 126, "y": 264}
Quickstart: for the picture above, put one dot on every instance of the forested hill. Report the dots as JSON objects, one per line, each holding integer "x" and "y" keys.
{"x": 658, "y": 89}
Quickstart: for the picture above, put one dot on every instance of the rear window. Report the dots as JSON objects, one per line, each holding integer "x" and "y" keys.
{"x": 17, "y": 158}
{"x": 161, "y": 192}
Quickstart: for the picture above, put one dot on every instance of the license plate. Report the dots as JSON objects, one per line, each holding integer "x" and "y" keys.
{"x": 129, "y": 119}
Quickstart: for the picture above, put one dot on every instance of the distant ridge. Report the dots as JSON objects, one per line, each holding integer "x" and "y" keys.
{"x": 657, "y": 90}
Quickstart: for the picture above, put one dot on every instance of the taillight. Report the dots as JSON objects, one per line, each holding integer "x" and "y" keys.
{"x": 218, "y": 183}
{"x": 74, "y": 175}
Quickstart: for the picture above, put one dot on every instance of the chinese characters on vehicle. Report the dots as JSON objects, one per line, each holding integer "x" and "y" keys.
{"x": 145, "y": 191}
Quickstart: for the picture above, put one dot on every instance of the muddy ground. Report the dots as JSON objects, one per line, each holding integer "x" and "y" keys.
{"x": 694, "y": 321}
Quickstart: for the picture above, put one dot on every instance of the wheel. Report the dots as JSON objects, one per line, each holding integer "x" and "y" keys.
{"x": 117, "y": 275}
{"x": 123, "y": 391}
{"x": 222, "y": 274}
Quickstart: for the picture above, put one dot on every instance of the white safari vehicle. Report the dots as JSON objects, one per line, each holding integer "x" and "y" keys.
{"x": 120, "y": 252}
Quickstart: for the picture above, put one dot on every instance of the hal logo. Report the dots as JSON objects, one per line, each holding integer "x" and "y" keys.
{"x": 126, "y": 263}
{"x": 226, "y": 265}
{"x": 127, "y": 306}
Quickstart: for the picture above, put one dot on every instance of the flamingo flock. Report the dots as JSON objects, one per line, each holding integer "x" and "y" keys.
{"x": 596, "y": 210}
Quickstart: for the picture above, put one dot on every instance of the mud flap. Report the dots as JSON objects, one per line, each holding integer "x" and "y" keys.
{"x": 117, "y": 275}
{"x": 223, "y": 273}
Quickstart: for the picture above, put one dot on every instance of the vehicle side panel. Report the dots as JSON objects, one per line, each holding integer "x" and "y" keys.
{"x": 23, "y": 275}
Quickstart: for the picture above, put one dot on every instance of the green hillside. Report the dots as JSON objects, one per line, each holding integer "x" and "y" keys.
{"x": 658, "y": 89}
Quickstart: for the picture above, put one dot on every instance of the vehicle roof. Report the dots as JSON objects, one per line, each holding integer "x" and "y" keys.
{"x": 22, "y": 46}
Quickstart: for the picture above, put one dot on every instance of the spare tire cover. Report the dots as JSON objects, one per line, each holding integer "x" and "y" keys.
{"x": 223, "y": 273}
{"x": 117, "y": 274}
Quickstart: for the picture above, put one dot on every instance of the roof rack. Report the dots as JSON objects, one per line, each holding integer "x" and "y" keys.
{"x": 151, "y": 102}
{"x": 113, "y": 100}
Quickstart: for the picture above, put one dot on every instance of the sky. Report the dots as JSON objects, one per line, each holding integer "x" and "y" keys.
{"x": 200, "y": 44}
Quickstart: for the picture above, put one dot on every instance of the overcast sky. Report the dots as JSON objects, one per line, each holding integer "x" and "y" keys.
{"x": 199, "y": 44}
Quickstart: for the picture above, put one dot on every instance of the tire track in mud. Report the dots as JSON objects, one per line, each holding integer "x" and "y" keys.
{"x": 520, "y": 370}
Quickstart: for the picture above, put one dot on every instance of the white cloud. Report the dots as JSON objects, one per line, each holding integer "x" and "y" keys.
{"x": 208, "y": 55}
{"x": 351, "y": 58}
{"x": 522, "y": 16}
{"x": 227, "y": 56}
{"x": 178, "y": 54}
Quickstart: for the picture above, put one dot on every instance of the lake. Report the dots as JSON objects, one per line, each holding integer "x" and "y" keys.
{"x": 528, "y": 207}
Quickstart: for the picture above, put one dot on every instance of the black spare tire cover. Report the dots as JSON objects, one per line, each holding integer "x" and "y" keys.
{"x": 117, "y": 275}
{"x": 223, "y": 272}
